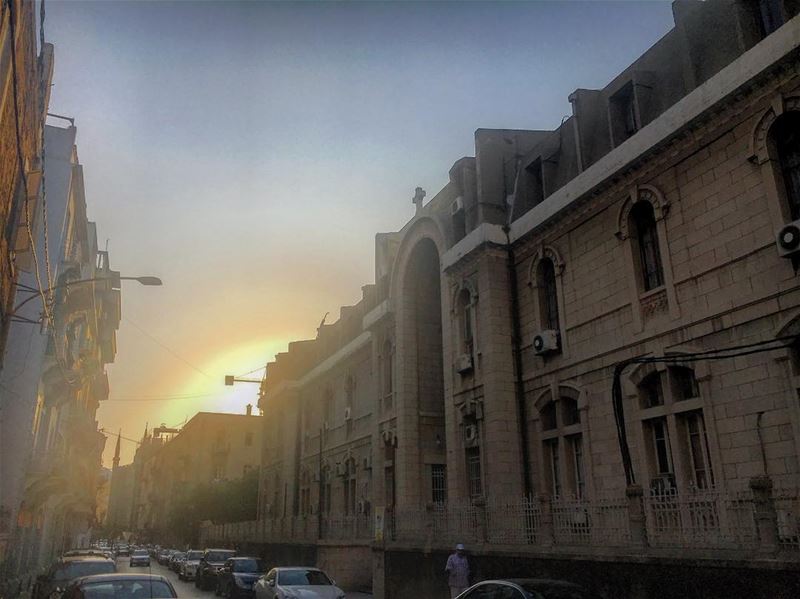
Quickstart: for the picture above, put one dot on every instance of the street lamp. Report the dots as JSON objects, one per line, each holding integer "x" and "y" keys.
{"x": 149, "y": 281}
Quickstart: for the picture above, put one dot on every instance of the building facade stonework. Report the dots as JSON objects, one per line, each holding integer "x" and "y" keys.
{"x": 579, "y": 357}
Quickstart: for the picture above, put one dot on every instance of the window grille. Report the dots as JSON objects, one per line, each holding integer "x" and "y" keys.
{"x": 661, "y": 449}
{"x": 555, "y": 466}
{"x": 787, "y": 142}
{"x": 474, "y": 472}
{"x": 684, "y": 383}
{"x": 702, "y": 473}
{"x": 652, "y": 391}
{"x": 439, "y": 483}
{"x": 548, "y": 294}
{"x": 647, "y": 239}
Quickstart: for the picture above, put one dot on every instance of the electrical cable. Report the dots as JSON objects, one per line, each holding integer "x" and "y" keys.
{"x": 238, "y": 376}
{"x": 166, "y": 348}
{"x": 714, "y": 354}
{"x": 165, "y": 398}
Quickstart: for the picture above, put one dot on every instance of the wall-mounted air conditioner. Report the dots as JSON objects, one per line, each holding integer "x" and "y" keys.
{"x": 348, "y": 413}
{"x": 464, "y": 363}
{"x": 457, "y": 206}
{"x": 788, "y": 239}
{"x": 545, "y": 342}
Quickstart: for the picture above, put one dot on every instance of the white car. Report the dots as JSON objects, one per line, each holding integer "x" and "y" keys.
{"x": 297, "y": 583}
{"x": 188, "y": 569}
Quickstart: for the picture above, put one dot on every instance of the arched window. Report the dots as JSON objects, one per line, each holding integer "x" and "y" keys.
{"x": 548, "y": 294}
{"x": 562, "y": 447}
{"x": 466, "y": 320}
{"x": 350, "y": 390}
{"x": 388, "y": 368}
{"x": 787, "y": 147}
{"x": 643, "y": 223}
{"x": 676, "y": 445}
{"x": 328, "y": 408}
{"x": 350, "y": 487}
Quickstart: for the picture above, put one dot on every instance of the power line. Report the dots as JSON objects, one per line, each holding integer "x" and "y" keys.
{"x": 251, "y": 372}
{"x": 164, "y": 398}
{"x": 166, "y": 348}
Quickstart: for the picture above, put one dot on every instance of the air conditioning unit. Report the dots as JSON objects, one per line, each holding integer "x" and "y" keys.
{"x": 545, "y": 342}
{"x": 457, "y": 206}
{"x": 464, "y": 363}
{"x": 788, "y": 239}
{"x": 470, "y": 435}
{"x": 348, "y": 413}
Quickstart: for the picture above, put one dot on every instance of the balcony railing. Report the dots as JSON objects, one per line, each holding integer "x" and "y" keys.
{"x": 754, "y": 521}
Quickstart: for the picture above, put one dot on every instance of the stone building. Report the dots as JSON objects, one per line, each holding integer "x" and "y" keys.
{"x": 210, "y": 447}
{"x": 50, "y": 448}
{"x": 579, "y": 357}
{"x": 25, "y": 72}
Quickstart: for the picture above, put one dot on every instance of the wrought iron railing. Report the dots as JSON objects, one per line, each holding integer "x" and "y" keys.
{"x": 758, "y": 518}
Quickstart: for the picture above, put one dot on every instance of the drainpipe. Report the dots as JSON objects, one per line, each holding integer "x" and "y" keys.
{"x": 516, "y": 337}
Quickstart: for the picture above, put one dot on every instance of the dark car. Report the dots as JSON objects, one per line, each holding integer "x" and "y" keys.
{"x": 120, "y": 586}
{"x": 238, "y": 575}
{"x": 210, "y": 565}
{"x": 66, "y": 569}
{"x": 526, "y": 588}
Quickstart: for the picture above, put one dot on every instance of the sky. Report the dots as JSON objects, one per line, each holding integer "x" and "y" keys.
{"x": 248, "y": 153}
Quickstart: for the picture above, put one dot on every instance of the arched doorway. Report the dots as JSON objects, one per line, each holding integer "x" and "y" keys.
{"x": 421, "y": 413}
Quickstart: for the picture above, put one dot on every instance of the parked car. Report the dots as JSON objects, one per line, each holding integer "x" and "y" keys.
{"x": 120, "y": 586}
{"x": 139, "y": 557}
{"x": 284, "y": 583}
{"x": 164, "y": 556}
{"x": 123, "y": 551}
{"x": 526, "y": 588}
{"x": 175, "y": 560}
{"x": 210, "y": 565}
{"x": 189, "y": 565}
{"x": 66, "y": 569}
{"x": 238, "y": 575}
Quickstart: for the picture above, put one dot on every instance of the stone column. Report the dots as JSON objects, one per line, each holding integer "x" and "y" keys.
{"x": 765, "y": 513}
{"x": 636, "y": 516}
{"x": 546, "y": 530}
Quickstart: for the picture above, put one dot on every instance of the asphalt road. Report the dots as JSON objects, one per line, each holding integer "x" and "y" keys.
{"x": 186, "y": 590}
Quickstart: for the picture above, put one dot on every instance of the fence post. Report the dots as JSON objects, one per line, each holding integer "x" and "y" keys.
{"x": 546, "y": 509}
{"x": 636, "y": 515}
{"x": 765, "y": 514}
{"x": 480, "y": 514}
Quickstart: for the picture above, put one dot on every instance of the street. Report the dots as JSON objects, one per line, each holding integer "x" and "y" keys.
{"x": 187, "y": 590}
{"x": 184, "y": 589}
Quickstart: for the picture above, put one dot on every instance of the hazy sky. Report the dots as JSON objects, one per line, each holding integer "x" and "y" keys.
{"x": 247, "y": 153}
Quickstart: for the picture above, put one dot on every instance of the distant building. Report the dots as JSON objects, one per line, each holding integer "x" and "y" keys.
{"x": 470, "y": 395}
{"x": 210, "y": 447}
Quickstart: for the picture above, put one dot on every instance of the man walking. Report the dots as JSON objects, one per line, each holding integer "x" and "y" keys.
{"x": 457, "y": 569}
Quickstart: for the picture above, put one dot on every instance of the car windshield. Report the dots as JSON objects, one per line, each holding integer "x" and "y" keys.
{"x": 291, "y": 578}
{"x": 127, "y": 589}
{"x": 554, "y": 591}
{"x": 76, "y": 569}
{"x": 194, "y": 555}
{"x": 219, "y": 556}
{"x": 248, "y": 565}
{"x": 140, "y": 553}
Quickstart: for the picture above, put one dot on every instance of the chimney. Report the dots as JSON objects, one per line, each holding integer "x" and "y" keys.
{"x": 249, "y": 409}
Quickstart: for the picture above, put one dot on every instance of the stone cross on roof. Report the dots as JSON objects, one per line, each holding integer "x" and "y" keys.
{"x": 419, "y": 195}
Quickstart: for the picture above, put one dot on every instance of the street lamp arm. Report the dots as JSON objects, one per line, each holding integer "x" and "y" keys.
{"x": 146, "y": 280}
